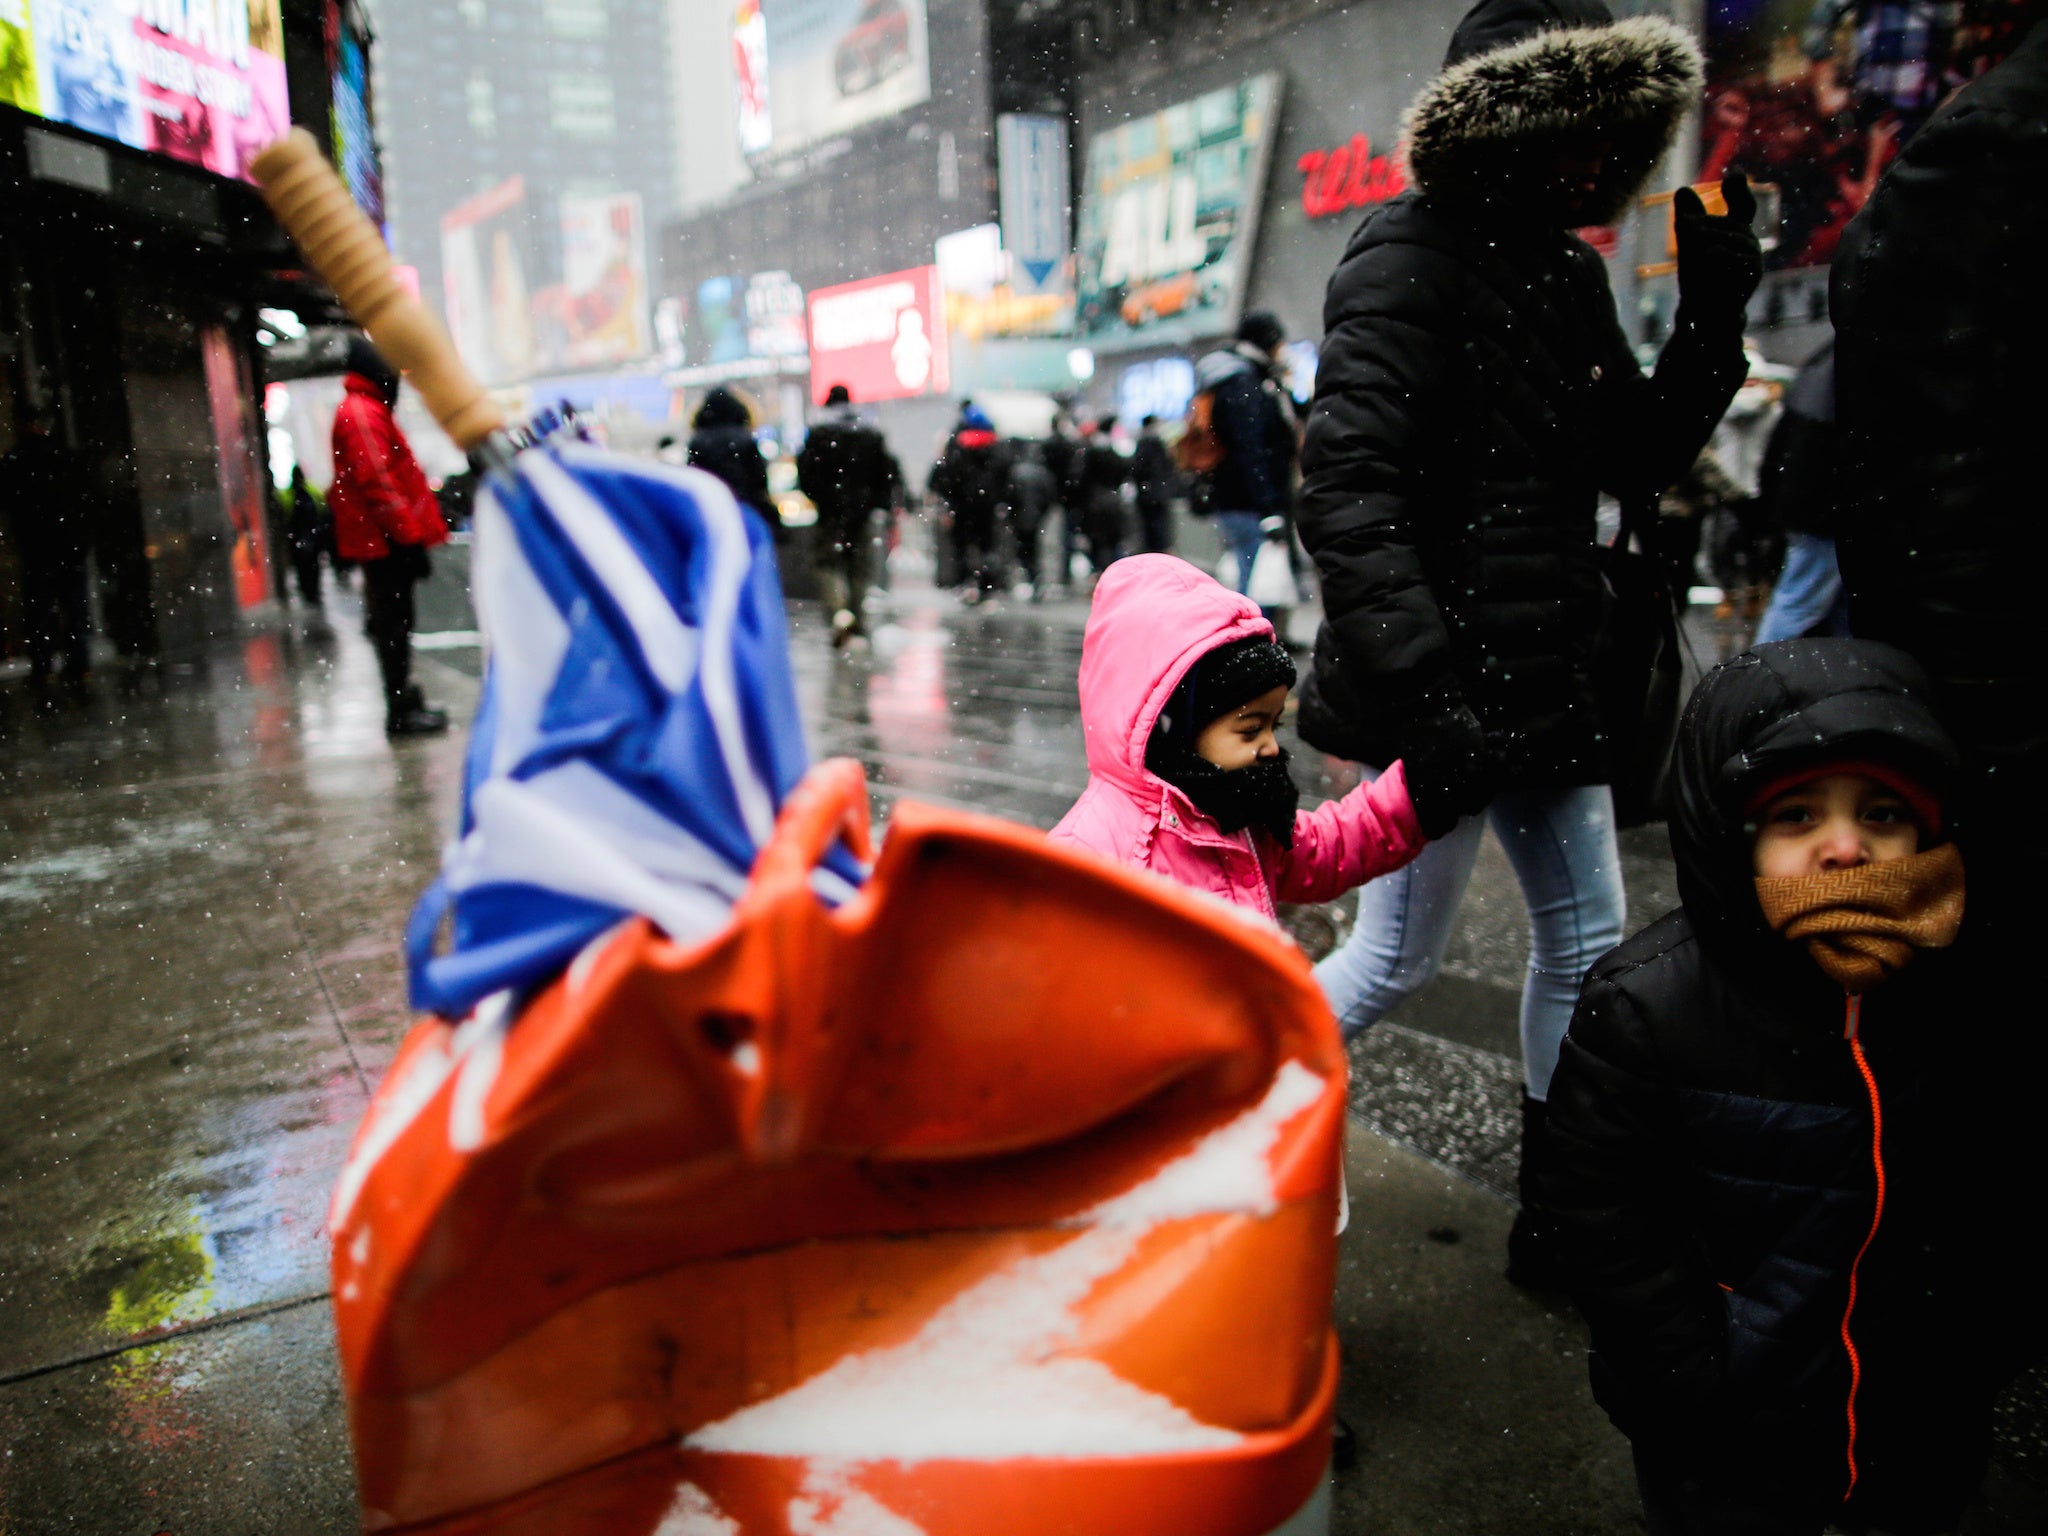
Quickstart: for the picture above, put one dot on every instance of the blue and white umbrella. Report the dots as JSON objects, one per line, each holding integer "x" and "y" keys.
{"x": 638, "y": 727}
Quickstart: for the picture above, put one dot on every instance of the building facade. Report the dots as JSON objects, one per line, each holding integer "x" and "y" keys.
{"x": 531, "y": 145}
{"x": 135, "y": 264}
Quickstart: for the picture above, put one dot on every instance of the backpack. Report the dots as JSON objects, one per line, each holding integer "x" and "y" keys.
{"x": 1200, "y": 450}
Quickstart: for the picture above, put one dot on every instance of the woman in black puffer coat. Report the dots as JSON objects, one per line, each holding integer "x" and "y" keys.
{"x": 1713, "y": 1164}
{"x": 1474, "y": 395}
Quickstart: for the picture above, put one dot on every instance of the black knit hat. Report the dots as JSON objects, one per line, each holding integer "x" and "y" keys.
{"x": 1220, "y": 681}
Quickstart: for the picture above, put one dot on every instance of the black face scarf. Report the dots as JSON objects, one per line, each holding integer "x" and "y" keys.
{"x": 1262, "y": 795}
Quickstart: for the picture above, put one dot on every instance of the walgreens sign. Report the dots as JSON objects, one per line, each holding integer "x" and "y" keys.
{"x": 1334, "y": 181}
{"x": 884, "y": 338}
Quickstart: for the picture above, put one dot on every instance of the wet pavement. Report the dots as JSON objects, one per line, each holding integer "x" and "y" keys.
{"x": 203, "y": 876}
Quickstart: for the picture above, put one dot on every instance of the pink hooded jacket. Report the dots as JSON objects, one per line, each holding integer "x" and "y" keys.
{"x": 1152, "y": 617}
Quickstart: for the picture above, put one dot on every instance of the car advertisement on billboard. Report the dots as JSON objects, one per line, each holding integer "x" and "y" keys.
{"x": 833, "y": 65}
{"x": 486, "y": 246}
{"x": 597, "y": 315}
{"x": 201, "y": 81}
{"x": 1169, "y": 215}
{"x": 884, "y": 338}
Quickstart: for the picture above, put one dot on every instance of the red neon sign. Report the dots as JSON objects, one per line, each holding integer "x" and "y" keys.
{"x": 1349, "y": 176}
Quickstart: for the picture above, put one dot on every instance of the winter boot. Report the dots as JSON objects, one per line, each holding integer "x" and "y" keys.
{"x": 1533, "y": 1261}
{"x": 413, "y": 716}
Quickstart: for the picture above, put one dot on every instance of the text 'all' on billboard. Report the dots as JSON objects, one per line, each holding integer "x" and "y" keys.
{"x": 201, "y": 81}
{"x": 1169, "y": 217}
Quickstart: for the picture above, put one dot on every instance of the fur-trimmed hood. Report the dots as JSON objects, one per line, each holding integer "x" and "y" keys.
{"x": 1485, "y": 131}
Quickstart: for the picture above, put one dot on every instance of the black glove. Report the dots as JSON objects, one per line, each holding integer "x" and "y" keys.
{"x": 1449, "y": 770}
{"x": 1720, "y": 261}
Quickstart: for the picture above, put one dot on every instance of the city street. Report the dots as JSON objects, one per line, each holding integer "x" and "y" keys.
{"x": 206, "y": 876}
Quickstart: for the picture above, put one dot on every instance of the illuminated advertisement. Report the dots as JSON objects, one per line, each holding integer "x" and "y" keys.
{"x": 836, "y": 64}
{"x": 983, "y": 296}
{"x": 1169, "y": 214}
{"x": 1815, "y": 97}
{"x": 355, "y": 144}
{"x": 884, "y": 338}
{"x": 201, "y": 81}
{"x": 485, "y": 245}
{"x": 750, "y": 77}
{"x": 598, "y": 315}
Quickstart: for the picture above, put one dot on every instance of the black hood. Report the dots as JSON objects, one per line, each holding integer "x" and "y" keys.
{"x": 1526, "y": 78}
{"x": 721, "y": 408}
{"x": 1769, "y": 712}
{"x": 1495, "y": 24}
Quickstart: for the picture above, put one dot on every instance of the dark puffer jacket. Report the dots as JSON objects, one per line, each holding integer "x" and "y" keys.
{"x": 1711, "y": 1166}
{"x": 722, "y": 443}
{"x": 1942, "y": 318}
{"x": 1255, "y": 430}
{"x": 1475, "y": 393}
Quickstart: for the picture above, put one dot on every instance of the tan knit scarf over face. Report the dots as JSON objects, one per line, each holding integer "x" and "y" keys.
{"x": 1862, "y": 925}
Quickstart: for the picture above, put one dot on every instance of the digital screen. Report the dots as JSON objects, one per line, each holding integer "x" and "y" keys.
{"x": 201, "y": 81}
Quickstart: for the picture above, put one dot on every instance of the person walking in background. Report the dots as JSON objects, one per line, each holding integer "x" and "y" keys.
{"x": 847, "y": 471}
{"x": 309, "y": 533}
{"x": 1704, "y": 495}
{"x": 1252, "y": 486}
{"x": 1061, "y": 451}
{"x": 722, "y": 444}
{"x": 46, "y": 514}
{"x": 1475, "y": 393}
{"x": 1153, "y": 472}
{"x": 1801, "y": 493}
{"x": 971, "y": 478}
{"x": 1940, "y": 315}
{"x": 1033, "y": 493}
{"x": 385, "y": 519}
{"x": 1100, "y": 478}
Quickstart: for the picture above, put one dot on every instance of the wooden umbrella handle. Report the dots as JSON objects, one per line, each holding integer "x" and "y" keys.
{"x": 345, "y": 249}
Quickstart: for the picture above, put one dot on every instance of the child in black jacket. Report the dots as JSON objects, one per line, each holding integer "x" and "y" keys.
{"x": 1779, "y": 1121}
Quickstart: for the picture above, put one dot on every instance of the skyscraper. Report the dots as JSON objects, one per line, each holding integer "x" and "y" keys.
{"x": 573, "y": 99}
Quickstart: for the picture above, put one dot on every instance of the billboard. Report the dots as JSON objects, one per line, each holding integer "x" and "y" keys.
{"x": 485, "y": 250}
{"x": 598, "y": 314}
{"x": 355, "y": 142}
{"x": 201, "y": 81}
{"x": 750, "y": 77}
{"x": 884, "y": 338}
{"x": 833, "y": 65}
{"x": 1169, "y": 215}
{"x": 987, "y": 295}
{"x": 1815, "y": 97}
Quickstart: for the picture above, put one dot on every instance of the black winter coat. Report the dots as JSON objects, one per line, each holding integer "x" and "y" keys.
{"x": 1474, "y": 395}
{"x": 1255, "y": 430}
{"x": 722, "y": 443}
{"x": 1710, "y": 1149}
{"x": 1941, "y": 317}
{"x": 846, "y": 470}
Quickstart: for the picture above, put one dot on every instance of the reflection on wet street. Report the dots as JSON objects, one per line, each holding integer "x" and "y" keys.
{"x": 204, "y": 876}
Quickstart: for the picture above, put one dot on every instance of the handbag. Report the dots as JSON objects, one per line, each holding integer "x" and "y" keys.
{"x": 1272, "y": 581}
{"x": 1638, "y": 674}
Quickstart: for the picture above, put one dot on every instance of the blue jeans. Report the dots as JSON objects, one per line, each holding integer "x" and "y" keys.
{"x": 1562, "y": 846}
{"x": 1241, "y": 536}
{"x": 1808, "y": 599}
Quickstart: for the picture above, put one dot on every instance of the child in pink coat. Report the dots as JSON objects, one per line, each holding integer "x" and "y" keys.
{"x": 1181, "y": 688}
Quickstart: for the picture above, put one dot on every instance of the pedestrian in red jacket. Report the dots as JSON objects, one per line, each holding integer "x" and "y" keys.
{"x": 385, "y": 518}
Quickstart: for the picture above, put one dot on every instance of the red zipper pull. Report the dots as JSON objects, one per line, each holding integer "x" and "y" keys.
{"x": 1854, "y": 1019}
